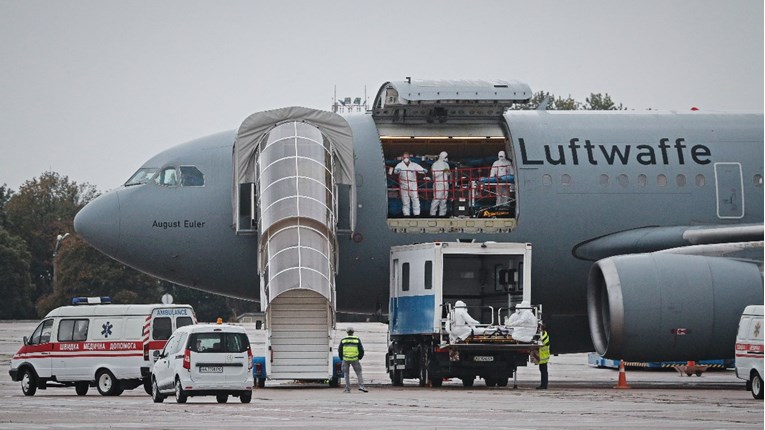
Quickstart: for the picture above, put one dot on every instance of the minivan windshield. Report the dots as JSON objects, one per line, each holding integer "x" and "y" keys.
{"x": 219, "y": 342}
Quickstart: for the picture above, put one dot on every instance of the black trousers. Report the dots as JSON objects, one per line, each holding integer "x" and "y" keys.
{"x": 543, "y": 374}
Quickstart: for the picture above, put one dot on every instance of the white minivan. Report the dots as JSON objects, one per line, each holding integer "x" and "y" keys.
{"x": 203, "y": 360}
{"x": 749, "y": 350}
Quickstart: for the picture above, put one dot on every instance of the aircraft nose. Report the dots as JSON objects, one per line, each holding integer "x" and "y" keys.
{"x": 99, "y": 222}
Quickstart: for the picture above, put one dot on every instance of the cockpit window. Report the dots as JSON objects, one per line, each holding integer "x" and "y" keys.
{"x": 167, "y": 177}
{"x": 192, "y": 177}
{"x": 142, "y": 176}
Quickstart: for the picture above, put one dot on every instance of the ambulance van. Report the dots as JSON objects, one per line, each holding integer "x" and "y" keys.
{"x": 111, "y": 347}
{"x": 749, "y": 350}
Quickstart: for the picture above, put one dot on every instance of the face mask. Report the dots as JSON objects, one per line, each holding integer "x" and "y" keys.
{"x": 406, "y": 160}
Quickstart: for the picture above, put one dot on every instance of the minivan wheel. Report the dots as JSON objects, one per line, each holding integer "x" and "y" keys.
{"x": 221, "y": 398}
{"x": 81, "y": 388}
{"x": 28, "y": 382}
{"x": 156, "y": 396}
{"x": 107, "y": 384}
{"x": 246, "y": 396}
{"x": 756, "y": 385}
{"x": 180, "y": 395}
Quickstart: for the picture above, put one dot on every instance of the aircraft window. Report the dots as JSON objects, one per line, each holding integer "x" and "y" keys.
{"x": 167, "y": 177}
{"x": 642, "y": 180}
{"x": 191, "y": 177}
{"x": 700, "y": 180}
{"x": 546, "y": 180}
{"x": 680, "y": 180}
{"x": 603, "y": 180}
{"x": 142, "y": 176}
{"x": 757, "y": 180}
{"x": 661, "y": 180}
{"x": 565, "y": 179}
{"x": 623, "y": 180}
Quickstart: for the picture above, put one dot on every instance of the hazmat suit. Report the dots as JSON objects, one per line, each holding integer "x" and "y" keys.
{"x": 407, "y": 171}
{"x": 463, "y": 325}
{"x": 440, "y": 171}
{"x": 502, "y": 167}
{"x": 523, "y": 322}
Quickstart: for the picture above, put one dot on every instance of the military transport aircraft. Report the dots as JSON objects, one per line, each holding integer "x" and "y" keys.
{"x": 647, "y": 227}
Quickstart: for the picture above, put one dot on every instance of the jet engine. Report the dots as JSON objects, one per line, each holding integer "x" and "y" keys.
{"x": 663, "y": 307}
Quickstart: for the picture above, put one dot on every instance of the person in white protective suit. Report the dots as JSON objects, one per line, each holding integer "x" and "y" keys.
{"x": 440, "y": 171}
{"x": 502, "y": 167}
{"x": 407, "y": 171}
{"x": 523, "y": 322}
{"x": 463, "y": 325}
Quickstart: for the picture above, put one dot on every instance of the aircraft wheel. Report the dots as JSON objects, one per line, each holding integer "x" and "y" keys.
{"x": 81, "y": 388}
{"x": 28, "y": 382}
{"x": 756, "y": 385}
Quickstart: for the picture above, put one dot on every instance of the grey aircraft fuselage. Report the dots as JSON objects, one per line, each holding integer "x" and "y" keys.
{"x": 580, "y": 176}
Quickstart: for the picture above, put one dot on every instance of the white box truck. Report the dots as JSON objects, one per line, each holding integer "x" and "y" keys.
{"x": 429, "y": 283}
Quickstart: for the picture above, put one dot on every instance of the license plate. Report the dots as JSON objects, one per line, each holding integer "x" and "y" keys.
{"x": 483, "y": 358}
{"x": 211, "y": 369}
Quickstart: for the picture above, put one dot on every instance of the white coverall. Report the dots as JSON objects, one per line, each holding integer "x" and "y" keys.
{"x": 523, "y": 322}
{"x": 463, "y": 324}
{"x": 407, "y": 177}
{"x": 440, "y": 171}
{"x": 500, "y": 168}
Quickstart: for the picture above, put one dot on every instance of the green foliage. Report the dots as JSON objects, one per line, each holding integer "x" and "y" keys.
{"x": 15, "y": 285}
{"x": 43, "y": 208}
{"x": 82, "y": 271}
{"x": 5, "y": 195}
{"x": 596, "y": 101}
{"x": 601, "y": 102}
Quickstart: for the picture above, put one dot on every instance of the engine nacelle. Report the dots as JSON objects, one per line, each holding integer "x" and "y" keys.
{"x": 663, "y": 307}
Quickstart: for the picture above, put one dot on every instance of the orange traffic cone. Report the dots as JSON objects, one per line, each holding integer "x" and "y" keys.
{"x": 622, "y": 376}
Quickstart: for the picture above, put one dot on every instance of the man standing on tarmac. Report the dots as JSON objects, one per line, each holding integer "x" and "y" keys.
{"x": 351, "y": 351}
{"x": 544, "y": 357}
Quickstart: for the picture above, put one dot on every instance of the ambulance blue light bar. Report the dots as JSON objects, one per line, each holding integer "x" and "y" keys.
{"x": 91, "y": 300}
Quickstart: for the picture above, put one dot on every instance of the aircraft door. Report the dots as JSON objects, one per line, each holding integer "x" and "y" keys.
{"x": 729, "y": 185}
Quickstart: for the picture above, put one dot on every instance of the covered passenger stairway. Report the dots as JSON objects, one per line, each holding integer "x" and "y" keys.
{"x": 289, "y": 167}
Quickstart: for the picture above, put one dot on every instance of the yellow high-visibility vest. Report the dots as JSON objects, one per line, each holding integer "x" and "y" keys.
{"x": 544, "y": 350}
{"x": 350, "y": 348}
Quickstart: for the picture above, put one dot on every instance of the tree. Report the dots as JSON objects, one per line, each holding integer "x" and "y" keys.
{"x": 5, "y": 195}
{"x": 207, "y": 306}
{"x": 82, "y": 271}
{"x": 601, "y": 102}
{"x": 43, "y": 208}
{"x": 15, "y": 285}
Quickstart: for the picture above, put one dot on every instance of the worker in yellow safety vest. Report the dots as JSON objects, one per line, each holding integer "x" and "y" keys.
{"x": 544, "y": 357}
{"x": 351, "y": 351}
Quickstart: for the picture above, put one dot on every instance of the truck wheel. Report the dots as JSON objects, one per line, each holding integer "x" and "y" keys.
{"x": 106, "y": 383}
{"x": 81, "y": 388}
{"x": 28, "y": 382}
{"x": 221, "y": 398}
{"x": 468, "y": 381}
{"x": 334, "y": 382}
{"x": 490, "y": 382}
{"x": 180, "y": 395}
{"x": 756, "y": 385}
{"x": 246, "y": 396}
{"x": 502, "y": 382}
{"x": 436, "y": 382}
{"x": 396, "y": 378}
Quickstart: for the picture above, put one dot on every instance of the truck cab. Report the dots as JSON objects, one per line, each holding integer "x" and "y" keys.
{"x": 451, "y": 305}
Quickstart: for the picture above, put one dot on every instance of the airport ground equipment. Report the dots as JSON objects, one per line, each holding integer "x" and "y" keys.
{"x": 426, "y": 281}
{"x": 290, "y": 164}
{"x": 689, "y": 368}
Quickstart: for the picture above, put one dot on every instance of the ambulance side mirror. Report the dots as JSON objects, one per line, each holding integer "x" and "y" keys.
{"x": 26, "y": 340}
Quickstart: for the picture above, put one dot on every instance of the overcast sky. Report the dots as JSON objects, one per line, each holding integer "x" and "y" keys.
{"x": 92, "y": 89}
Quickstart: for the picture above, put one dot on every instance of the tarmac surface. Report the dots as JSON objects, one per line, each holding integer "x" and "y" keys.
{"x": 579, "y": 396}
